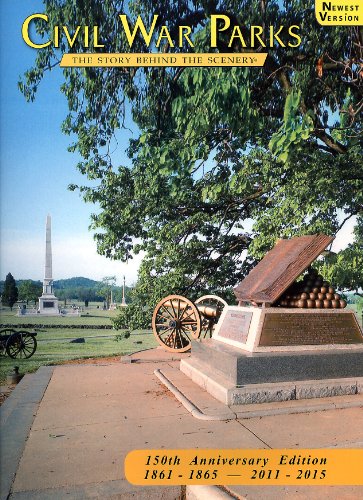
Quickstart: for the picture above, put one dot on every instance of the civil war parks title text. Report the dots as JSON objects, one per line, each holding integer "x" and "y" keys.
{"x": 179, "y": 36}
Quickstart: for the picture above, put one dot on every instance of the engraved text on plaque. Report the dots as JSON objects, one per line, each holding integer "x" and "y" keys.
{"x": 236, "y": 325}
{"x": 309, "y": 329}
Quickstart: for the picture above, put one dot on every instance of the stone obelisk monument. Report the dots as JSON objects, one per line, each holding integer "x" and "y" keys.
{"x": 48, "y": 302}
{"x": 123, "y": 303}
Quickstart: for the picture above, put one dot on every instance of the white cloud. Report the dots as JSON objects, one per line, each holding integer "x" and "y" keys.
{"x": 72, "y": 256}
{"x": 345, "y": 235}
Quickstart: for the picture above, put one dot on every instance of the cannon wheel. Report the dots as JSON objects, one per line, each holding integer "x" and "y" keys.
{"x": 4, "y": 334}
{"x": 21, "y": 345}
{"x": 208, "y": 324}
{"x": 176, "y": 321}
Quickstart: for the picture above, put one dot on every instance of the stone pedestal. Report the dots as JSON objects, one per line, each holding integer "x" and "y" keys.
{"x": 48, "y": 305}
{"x": 260, "y": 355}
{"x": 234, "y": 376}
{"x": 242, "y": 367}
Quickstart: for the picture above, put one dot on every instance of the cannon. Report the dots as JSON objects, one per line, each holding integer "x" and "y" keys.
{"x": 17, "y": 344}
{"x": 177, "y": 320}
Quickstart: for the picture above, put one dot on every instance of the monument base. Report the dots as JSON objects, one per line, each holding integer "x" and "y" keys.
{"x": 48, "y": 305}
{"x": 234, "y": 376}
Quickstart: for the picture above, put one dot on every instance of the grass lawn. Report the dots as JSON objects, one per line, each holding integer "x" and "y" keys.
{"x": 50, "y": 352}
{"x": 54, "y": 344}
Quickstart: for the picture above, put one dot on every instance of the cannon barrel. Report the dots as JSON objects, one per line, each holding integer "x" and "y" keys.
{"x": 177, "y": 304}
{"x": 208, "y": 311}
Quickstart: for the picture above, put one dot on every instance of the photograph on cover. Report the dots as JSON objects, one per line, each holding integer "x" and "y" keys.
{"x": 182, "y": 249}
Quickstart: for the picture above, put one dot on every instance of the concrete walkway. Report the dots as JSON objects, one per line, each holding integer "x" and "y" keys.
{"x": 67, "y": 429}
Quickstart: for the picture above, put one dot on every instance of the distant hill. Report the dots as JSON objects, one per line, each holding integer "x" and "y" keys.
{"x": 79, "y": 281}
{"x": 78, "y": 288}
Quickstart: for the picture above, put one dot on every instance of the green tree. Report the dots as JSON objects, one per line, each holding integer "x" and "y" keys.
{"x": 106, "y": 288}
{"x": 29, "y": 290}
{"x": 10, "y": 292}
{"x": 346, "y": 267}
{"x": 218, "y": 147}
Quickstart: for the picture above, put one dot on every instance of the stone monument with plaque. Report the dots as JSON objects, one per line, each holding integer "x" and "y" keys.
{"x": 288, "y": 328}
{"x": 48, "y": 302}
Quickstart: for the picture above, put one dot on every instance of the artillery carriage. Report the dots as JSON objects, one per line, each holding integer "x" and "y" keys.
{"x": 17, "y": 344}
{"x": 177, "y": 320}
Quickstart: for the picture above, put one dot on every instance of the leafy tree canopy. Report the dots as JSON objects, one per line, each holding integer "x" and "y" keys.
{"x": 29, "y": 290}
{"x": 106, "y": 286}
{"x": 218, "y": 147}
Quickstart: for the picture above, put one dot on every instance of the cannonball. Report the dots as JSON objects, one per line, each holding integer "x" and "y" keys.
{"x": 304, "y": 296}
{"x": 307, "y": 289}
{"x": 327, "y": 304}
{"x": 325, "y": 284}
{"x": 331, "y": 290}
{"x": 310, "y": 283}
{"x": 323, "y": 289}
{"x": 310, "y": 303}
{"x": 313, "y": 296}
{"x": 336, "y": 296}
{"x": 343, "y": 303}
{"x": 302, "y": 303}
{"x": 319, "y": 304}
{"x": 318, "y": 283}
{"x": 321, "y": 296}
{"x": 316, "y": 290}
{"x": 329, "y": 296}
{"x": 335, "y": 304}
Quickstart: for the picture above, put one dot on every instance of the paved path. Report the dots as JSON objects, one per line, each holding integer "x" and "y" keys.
{"x": 84, "y": 419}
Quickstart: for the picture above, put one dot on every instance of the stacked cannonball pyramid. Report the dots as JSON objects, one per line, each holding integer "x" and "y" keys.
{"x": 312, "y": 293}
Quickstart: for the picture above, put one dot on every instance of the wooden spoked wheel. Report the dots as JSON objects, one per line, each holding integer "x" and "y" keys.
{"x": 21, "y": 345}
{"x": 210, "y": 308}
{"x": 176, "y": 321}
{"x": 4, "y": 335}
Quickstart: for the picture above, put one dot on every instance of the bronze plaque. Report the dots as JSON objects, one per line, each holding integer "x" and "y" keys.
{"x": 280, "y": 267}
{"x": 310, "y": 329}
{"x": 235, "y": 325}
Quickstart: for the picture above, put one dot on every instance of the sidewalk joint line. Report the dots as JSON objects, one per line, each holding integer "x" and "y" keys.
{"x": 249, "y": 430}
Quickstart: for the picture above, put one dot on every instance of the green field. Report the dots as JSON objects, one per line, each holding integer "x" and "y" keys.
{"x": 54, "y": 344}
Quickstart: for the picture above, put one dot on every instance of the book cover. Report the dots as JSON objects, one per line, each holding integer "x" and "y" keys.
{"x": 174, "y": 143}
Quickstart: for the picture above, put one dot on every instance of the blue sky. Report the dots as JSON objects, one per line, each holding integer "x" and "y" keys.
{"x": 36, "y": 170}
